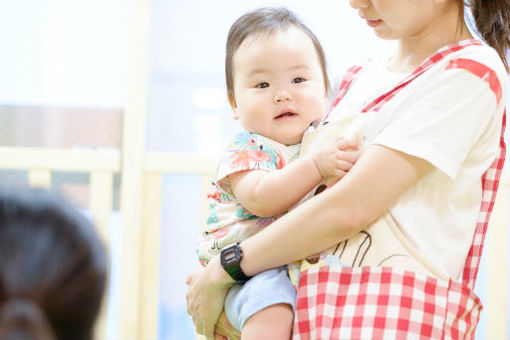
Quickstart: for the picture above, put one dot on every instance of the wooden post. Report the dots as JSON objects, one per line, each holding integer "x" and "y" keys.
{"x": 133, "y": 148}
{"x": 101, "y": 202}
{"x": 39, "y": 178}
{"x": 101, "y": 198}
{"x": 150, "y": 256}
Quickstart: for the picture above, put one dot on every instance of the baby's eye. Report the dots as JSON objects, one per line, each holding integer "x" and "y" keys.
{"x": 298, "y": 80}
{"x": 262, "y": 85}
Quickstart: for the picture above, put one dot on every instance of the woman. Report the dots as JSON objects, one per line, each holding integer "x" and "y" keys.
{"x": 432, "y": 116}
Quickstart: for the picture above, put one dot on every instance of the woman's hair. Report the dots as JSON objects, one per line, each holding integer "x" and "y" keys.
{"x": 492, "y": 20}
{"x": 52, "y": 268}
{"x": 266, "y": 20}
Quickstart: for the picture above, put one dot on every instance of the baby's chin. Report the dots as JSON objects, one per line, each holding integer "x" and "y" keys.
{"x": 290, "y": 141}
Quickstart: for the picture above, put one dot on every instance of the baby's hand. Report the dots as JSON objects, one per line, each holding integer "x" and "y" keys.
{"x": 337, "y": 158}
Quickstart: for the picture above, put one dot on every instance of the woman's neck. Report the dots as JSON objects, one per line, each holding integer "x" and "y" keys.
{"x": 412, "y": 51}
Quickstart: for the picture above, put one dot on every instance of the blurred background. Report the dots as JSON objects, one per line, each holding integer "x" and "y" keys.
{"x": 73, "y": 71}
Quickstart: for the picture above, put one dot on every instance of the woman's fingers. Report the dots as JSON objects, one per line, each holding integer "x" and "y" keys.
{"x": 199, "y": 327}
{"x": 209, "y": 331}
{"x": 226, "y": 329}
{"x": 189, "y": 278}
{"x": 205, "y": 297}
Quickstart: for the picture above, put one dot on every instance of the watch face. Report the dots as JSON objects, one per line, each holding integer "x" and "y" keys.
{"x": 231, "y": 254}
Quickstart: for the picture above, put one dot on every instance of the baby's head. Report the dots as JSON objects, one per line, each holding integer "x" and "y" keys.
{"x": 276, "y": 74}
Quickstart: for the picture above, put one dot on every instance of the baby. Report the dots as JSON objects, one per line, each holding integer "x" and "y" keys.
{"x": 277, "y": 87}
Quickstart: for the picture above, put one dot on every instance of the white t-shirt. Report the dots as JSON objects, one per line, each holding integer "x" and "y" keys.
{"x": 451, "y": 118}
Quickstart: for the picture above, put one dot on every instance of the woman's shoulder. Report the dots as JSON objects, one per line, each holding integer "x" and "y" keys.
{"x": 477, "y": 55}
{"x": 475, "y": 66}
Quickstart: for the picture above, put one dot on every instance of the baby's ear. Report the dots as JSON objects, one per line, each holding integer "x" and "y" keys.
{"x": 231, "y": 99}
{"x": 232, "y": 102}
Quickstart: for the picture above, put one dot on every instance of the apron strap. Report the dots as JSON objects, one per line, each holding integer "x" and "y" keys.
{"x": 347, "y": 80}
{"x": 377, "y": 103}
{"x": 490, "y": 183}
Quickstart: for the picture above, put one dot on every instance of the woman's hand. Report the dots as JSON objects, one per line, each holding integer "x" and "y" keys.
{"x": 206, "y": 295}
{"x": 225, "y": 330}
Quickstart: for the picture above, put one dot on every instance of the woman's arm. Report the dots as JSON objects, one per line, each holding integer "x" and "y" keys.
{"x": 272, "y": 193}
{"x": 373, "y": 184}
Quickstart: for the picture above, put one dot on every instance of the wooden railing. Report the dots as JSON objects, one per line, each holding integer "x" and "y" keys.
{"x": 156, "y": 165}
{"x": 143, "y": 323}
{"x": 102, "y": 166}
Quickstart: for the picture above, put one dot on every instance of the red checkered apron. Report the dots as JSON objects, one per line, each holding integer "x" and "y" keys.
{"x": 336, "y": 302}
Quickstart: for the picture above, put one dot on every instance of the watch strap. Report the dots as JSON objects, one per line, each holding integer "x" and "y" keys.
{"x": 237, "y": 274}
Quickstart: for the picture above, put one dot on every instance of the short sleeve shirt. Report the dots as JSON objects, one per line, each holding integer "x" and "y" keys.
{"x": 451, "y": 116}
{"x": 228, "y": 220}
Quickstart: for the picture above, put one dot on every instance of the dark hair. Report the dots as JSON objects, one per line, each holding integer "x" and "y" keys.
{"x": 266, "y": 20}
{"x": 492, "y": 20}
{"x": 52, "y": 268}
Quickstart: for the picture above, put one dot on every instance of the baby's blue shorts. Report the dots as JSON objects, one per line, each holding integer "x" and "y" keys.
{"x": 263, "y": 290}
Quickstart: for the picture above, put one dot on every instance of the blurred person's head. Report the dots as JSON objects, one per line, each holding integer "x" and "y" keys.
{"x": 52, "y": 268}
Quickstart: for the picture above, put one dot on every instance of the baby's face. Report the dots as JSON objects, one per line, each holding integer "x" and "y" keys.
{"x": 278, "y": 85}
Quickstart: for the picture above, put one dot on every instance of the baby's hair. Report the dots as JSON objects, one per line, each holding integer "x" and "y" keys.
{"x": 266, "y": 20}
{"x": 492, "y": 20}
{"x": 52, "y": 268}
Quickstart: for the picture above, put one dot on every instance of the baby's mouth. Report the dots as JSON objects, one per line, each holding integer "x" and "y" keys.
{"x": 285, "y": 115}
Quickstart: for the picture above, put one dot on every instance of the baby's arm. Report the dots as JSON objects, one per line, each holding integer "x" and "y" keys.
{"x": 275, "y": 192}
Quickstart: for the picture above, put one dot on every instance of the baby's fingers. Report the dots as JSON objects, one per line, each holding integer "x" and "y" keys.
{"x": 343, "y": 165}
{"x": 346, "y": 144}
{"x": 338, "y": 174}
{"x": 348, "y": 156}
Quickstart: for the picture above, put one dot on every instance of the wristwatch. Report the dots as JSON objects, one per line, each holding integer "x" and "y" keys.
{"x": 231, "y": 261}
